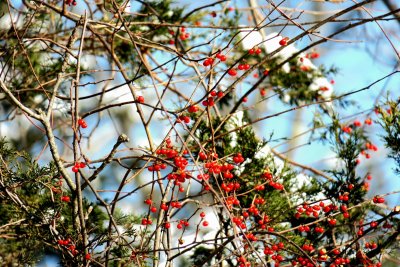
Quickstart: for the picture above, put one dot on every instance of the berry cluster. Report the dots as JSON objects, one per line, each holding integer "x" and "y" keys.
{"x": 82, "y": 123}
{"x": 77, "y": 166}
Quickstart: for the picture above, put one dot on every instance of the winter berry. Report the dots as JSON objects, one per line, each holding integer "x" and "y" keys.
{"x": 378, "y": 200}
{"x": 81, "y": 165}
{"x": 238, "y": 158}
{"x": 205, "y": 223}
{"x": 373, "y": 224}
{"x": 357, "y": 123}
{"x": 283, "y": 41}
{"x": 221, "y": 57}
{"x": 164, "y": 206}
{"x": 87, "y": 256}
{"x": 193, "y": 109}
{"x": 140, "y": 99}
{"x": 82, "y": 123}
{"x": 232, "y": 72}
{"x": 65, "y": 199}
{"x": 208, "y": 62}
{"x": 368, "y": 121}
{"x": 332, "y": 222}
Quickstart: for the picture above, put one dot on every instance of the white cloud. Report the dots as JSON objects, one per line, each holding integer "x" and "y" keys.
{"x": 250, "y": 38}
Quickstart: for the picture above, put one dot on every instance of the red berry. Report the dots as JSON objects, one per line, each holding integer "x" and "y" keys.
{"x": 87, "y": 256}
{"x": 373, "y": 224}
{"x": 193, "y": 109}
{"x": 82, "y": 123}
{"x": 208, "y": 62}
{"x": 283, "y": 42}
{"x": 379, "y": 200}
{"x": 140, "y": 99}
{"x": 202, "y": 214}
{"x": 368, "y": 121}
{"x": 65, "y": 199}
{"x": 205, "y": 223}
{"x": 202, "y": 156}
{"x": 232, "y": 72}
{"x": 332, "y": 222}
{"x": 164, "y": 207}
{"x": 153, "y": 209}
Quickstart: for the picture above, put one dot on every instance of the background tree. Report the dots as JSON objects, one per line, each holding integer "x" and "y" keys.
{"x": 160, "y": 133}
